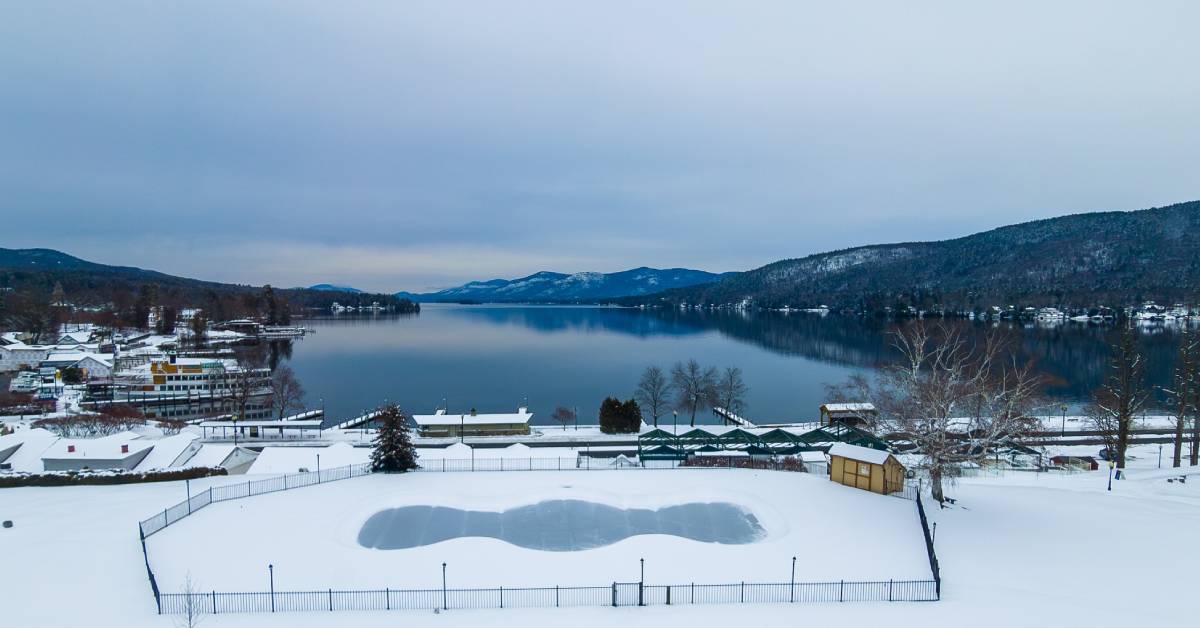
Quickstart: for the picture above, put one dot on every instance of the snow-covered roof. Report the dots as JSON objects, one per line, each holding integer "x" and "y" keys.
{"x": 297, "y": 425}
{"x": 30, "y": 444}
{"x": 523, "y": 415}
{"x": 292, "y": 459}
{"x": 849, "y": 407}
{"x": 166, "y": 451}
{"x": 210, "y": 456}
{"x": 103, "y": 448}
{"x": 854, "y": 452}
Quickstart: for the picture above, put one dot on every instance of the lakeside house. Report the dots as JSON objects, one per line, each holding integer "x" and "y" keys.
{"x": 441, "y": 424}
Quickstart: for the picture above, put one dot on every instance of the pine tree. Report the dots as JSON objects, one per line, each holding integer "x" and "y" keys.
{"x": 394, "y": 451}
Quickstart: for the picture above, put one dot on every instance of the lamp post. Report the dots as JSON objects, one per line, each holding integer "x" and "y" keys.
{"x": 1111, "y": 465}
{"x": 188, "y": 483}
{"x": 318, "y": 468}
{"x": 271, "y": 571}
{"x": 792, "y": 589}
{"x": 444, "y": 605}
{"x": 1064, "y": 420}
{"x": 675, "y": 422}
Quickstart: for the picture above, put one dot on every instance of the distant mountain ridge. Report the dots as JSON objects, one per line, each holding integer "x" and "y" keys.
{"x": 561, "y": 287}
{"x": 1103, "y": 258}
{"x": 90, "y": 283}
{"x": 328, "y": 287}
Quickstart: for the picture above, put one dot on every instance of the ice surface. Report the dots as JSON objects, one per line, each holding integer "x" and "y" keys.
{"x": 560, "y": 525}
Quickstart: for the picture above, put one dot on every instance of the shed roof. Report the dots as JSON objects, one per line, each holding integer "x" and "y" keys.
{"x": 849, "y": 407}
{"x": 854, "y": 452}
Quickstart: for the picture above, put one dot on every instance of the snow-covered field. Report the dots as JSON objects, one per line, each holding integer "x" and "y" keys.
{"x": 1017, "y": 550}
{"x": 311, "y": 535}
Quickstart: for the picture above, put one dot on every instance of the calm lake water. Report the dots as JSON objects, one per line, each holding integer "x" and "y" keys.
{"x": 497, "y": 357}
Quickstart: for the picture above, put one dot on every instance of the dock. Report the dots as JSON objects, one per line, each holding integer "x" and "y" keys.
{"x": 732, "y": 419}
{"x": 358, "y": 421}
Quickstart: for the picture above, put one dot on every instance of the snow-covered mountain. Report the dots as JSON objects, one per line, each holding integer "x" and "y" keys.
{"x": 587, "y": 286}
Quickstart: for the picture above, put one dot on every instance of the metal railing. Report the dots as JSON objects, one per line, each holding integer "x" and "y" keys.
{"x": 934, "y": 567}
{"x": 242, "y": 490}
{"x": 617, "y": 594}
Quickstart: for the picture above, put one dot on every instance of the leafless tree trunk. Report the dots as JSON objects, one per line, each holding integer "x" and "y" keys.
{"x": 731, "y": 390}
{"x": 955, "y": 399}
{"x": 563, "y": 415}
{"x": 1123, "y": 395}
{"x": 652, "y": 392}
{"x": 695, "y": 387}
{"x": 1184, "y": 391}
{"x": 286, "y": 392}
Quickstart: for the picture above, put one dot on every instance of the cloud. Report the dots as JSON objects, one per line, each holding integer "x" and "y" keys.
{"x": 450, "y": 141}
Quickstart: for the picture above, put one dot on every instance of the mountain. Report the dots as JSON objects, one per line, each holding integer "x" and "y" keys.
{"x": 31, "y": 274}
{"x": 328, "y": 287}
{"x": 1106, "y": 258}
{"x": 560, "y": 287}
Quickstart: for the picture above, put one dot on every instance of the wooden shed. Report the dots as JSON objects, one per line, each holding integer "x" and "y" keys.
{"x": 862, "y": 467}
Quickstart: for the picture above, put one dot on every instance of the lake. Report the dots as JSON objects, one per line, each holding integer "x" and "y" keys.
{"x": 497, "y": 357}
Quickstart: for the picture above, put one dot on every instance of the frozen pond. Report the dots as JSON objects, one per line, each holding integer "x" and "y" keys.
{"x": 559, "y": 525}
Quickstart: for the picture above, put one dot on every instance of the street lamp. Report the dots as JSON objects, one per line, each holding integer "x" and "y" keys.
{"x": 1064, "y": 421}
{"x": 675, "y": 422}
{"x": 271, "y": 571}
{"x": 1111, "y": 465}
{"x": 318, "y": 468}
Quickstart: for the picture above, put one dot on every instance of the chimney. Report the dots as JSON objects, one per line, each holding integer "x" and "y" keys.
{"x": 70, "y": 449}
{"x": 124, "y": 449}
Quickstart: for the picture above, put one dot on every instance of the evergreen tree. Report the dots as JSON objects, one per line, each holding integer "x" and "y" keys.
{"x": 394, "y": 451}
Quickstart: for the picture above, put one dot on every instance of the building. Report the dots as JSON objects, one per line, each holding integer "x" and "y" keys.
{"x": 15, "y": 355}
{"x": 261, "y": 430}
{"x": 865, "y": 468}
{"x": 847, "y": 413}
{"x": 459, "y": 425}
{"x": 121, "y": 452}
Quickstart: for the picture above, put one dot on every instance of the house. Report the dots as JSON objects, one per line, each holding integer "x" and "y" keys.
{"x": 852, "y": 414}
{"x": 229, "y": 457}
{"x": 459, "y": 425}
{"x": 865, "y": 468}
{"x": 15, "y": 354}
{"x": 121, "y": 452}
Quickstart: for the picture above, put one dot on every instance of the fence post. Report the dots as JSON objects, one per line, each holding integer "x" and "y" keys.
{"x": 668, "y": 595}
{"x": 331, "y": 600}
{"x": 842, "y": 591}
{"x": 693, "y": 593}
{"x": 743, "y": 599}
{"x": 387, "y": 599}
{"x": 556, "y": 596}
{"x": 214, "y": 594}
{"x": 614, "y": 592}
{"x": 889, "y": 590}
{"x": 501, "y": 597}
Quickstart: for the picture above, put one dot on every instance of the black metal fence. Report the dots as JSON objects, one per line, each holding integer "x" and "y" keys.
{"x": 617, "y": 594}
{"x": 587, "y": 463}
{"x": 249, "y": 488}
{"x": 933, "y": 559}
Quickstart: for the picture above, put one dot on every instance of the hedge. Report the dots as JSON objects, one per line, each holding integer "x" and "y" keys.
{"x": 86, "y": 478}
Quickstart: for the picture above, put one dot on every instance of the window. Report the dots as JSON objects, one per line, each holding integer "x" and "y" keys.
{"x": 864, "y": 469}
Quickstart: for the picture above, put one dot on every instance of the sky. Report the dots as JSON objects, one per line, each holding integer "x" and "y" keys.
{"x": 417, "y": 145}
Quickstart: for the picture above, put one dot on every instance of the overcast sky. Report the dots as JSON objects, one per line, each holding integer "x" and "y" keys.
{"x": 413, "y": 145}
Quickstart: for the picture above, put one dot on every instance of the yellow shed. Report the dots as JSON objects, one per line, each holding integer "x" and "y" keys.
{"x": 862, "y": 467}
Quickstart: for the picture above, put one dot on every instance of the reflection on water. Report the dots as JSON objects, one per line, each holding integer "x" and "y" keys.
{"x": 561, "y": 525}
{"x": 495, "y": 358}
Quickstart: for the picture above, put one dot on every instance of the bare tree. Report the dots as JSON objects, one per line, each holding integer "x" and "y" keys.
{"x": 652, "y": 392}
{"x": 563, "y": 415}
{"x": 1122, "y": 396}
{"x": 193, "y": 611}
{"x": 695, "y": 387}
{"x": 956, "y": 399}
{"x": 1184, "y": 393}
{"x": 286, "y": 392}
{"x": 731, "y": 390}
